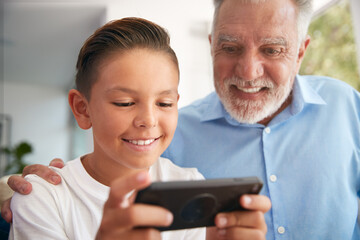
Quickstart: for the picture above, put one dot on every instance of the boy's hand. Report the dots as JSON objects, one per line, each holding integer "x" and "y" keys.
{"x": 20, "y": 185}
{"x": 121, "y": 216}
{"x": 242, "y": 224}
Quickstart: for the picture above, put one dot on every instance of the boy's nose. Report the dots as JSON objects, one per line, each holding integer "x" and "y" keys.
{"x": 145, "y": 119}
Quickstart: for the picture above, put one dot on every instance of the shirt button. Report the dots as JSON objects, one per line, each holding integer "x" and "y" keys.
{"x": 281, "y": 230}
{"x": 267, "y": 130}
{"x": 273, "y": 178}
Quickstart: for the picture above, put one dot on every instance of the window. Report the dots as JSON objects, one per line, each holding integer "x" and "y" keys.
{"x": 332, "y": 50}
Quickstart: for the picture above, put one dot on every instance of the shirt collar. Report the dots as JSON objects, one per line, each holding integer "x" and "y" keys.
{"x": 213, "y": 108}
{"x": 303, "y": 94}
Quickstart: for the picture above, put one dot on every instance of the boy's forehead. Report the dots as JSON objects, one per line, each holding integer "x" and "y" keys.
{"x": 137, "y": 52}
{"x": 138, "y": 71}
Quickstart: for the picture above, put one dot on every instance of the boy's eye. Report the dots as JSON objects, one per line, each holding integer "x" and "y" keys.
{"x": 124, "y": 104}
{"x": 165, "y": 104}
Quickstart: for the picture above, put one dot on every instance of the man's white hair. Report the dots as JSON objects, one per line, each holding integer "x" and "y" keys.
{"x": 304, "y": 14}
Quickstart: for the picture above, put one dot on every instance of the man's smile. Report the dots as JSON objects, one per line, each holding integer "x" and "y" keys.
{"x": 250, "y": 90}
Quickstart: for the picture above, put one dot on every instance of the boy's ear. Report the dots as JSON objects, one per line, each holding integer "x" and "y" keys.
{"x": 79, "y": 107}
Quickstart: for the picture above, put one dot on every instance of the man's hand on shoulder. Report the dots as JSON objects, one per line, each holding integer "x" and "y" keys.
{"x": 20, "y": 185}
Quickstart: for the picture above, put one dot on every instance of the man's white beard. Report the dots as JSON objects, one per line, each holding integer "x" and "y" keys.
{"x": 251, "y": 111}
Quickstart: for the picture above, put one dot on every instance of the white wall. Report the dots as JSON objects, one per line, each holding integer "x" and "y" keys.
{"x": 40, "y": 115}
{"x": 188, "y": 23}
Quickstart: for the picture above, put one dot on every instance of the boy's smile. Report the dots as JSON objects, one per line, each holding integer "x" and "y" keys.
{"x": 141, "y": 142}
{"x": 146, "y": 144}
{"x": 132, "y": 111}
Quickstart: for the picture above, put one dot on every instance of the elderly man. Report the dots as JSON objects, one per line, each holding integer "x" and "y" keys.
{"x": 300, "y": 134}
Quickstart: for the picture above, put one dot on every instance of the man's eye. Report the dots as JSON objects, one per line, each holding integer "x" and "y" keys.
{"x": 124, "y": 104}
{"x": 272, "y": 51}
{"x": 165, "y": 104}
{"x": 229, "y": 49}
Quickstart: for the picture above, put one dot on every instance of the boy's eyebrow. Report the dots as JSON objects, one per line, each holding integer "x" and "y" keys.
{"x": 121, "y": 89}
{"x": 168, "y": 92}
{"x": 128, "y": 90}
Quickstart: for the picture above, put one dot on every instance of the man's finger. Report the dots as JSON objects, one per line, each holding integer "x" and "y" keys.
{"x": 121, "y": 187}
{"x": 19, "y": 184}
{"x": 6, "y": 213}
{"x": 44, "y": 172}
{"x": 57, "y": 162}
{"x": 255, "y": 202}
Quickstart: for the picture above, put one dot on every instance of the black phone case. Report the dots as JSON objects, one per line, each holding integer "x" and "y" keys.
{"x": 196, "y": 203}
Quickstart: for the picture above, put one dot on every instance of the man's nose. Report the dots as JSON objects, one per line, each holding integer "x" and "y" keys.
{"x": 249, "y": 66}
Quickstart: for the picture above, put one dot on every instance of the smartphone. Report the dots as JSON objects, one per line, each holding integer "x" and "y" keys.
{"x": 196, "y": 203}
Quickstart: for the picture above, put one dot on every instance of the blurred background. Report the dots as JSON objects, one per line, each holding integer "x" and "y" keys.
{"x": 41, "y": 38}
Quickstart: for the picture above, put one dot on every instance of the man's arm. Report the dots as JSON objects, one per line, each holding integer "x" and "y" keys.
{"x": 20, "y": 185}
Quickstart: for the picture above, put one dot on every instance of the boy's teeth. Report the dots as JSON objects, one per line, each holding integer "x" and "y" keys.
{"x": 142, "y": 142}
{"x": 250, "y": 90}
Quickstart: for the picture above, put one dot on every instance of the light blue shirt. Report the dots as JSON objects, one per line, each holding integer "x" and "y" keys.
{"x": 308, "y": 157}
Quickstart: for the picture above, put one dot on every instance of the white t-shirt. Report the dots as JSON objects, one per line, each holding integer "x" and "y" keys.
{"x": 73, "y": 209}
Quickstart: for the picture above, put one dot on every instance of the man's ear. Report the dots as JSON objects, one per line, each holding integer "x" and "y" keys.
{"x": 79, "y": 106}
{"x": 210, "y": 41}
{"x": 302, "y": 51}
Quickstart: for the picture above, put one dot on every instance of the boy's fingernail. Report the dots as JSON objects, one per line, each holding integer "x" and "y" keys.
{"x": 247, "y": 200}
{"x": 169, "y": 218}
{"x": 125, "y": 203}
{"x": 222, "y": 221}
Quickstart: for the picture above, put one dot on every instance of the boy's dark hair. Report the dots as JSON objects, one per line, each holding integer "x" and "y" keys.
{"x": 116, "y": 36}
